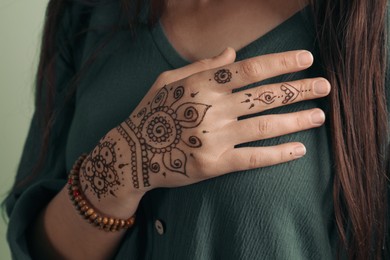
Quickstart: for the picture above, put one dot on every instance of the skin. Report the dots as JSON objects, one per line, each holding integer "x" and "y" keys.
{"x": 203, "y": 28}
{"x": 183, "y": 132}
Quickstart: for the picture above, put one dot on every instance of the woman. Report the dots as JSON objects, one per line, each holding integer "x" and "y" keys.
{"x": 100, "y": 59}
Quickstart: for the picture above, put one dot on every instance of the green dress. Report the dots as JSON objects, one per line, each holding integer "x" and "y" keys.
{"x": 279, "y": 212}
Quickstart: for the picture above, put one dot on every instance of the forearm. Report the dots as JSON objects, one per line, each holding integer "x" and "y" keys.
{"x": 60, "y": 232}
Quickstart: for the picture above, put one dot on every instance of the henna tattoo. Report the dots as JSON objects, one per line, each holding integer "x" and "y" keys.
{"x": 269, "y": 97}
{"x": 157, "y": 131}
{"x": 178, "y": 93}
{"x": 99, "y": 170}
{"x": 223, "y": 76}
{"x": 85, "y": 188}
{"x": 131, "y": 138}
{"x": 122, "y": 165}
{"x": 194, "y": 94}
{"x": 155, "y": 136}
{"x": 248, "y": 100}
{"x": 193, "y": 142}
{"x": 141, "y": 113}
{"x": 291, "y": 93}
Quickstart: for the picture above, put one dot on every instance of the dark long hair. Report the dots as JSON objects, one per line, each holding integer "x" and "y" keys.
{"x": 351, "y": 36}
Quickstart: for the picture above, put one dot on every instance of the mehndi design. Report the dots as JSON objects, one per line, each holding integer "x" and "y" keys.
{"x": 153, "y": 136}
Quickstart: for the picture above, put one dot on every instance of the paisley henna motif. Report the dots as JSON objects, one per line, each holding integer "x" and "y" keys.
{"x": 267, "y": 97}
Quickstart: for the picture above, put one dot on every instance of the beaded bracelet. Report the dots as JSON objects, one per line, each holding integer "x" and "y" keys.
{"x": 86, "y": 210}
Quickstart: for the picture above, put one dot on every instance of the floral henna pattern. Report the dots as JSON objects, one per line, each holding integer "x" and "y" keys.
{"x": 156, "y": 131}
{"x": 223, "y": 76}
{"x": 153, "y": 136}
{"x": 99, "y": 170}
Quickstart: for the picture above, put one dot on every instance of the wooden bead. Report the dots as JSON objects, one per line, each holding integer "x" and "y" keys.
{"x": 111, "y": 221}
{"x": 128, "y": 223}
{"x": 114, "y": 228}
{"x": 98, "y": 220}
{"x": 93, "y": 216}
{"x": 84, "y": 208}
{"x": 89, "y": 212}
{"x": 105, "y": 221}
{"x": 122, "y": 223}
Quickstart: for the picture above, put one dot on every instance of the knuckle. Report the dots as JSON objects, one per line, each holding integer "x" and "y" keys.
{"x": 251, "y": 68}
{"x": 302, "y": 89}
{"x": 165, "y": 77}
{"x": 204, "y": 166}
{"x": 282, "y": 156}
{"x": 204, "y": 63}
{"x": 299, "y": 122}
{"x": 264, "y": 127}
{"x": 254, "y": 161}
{"x": 201, "y": 165}
{"x": 284, "y": 62}
{"x": 192, "y": 80}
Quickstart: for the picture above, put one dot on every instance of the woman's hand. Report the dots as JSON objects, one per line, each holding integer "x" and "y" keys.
{"x": 186, "y": 131}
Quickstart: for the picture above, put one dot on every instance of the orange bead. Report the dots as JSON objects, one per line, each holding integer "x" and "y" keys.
{"x": 84, "y": 208}
{"x": 82, "y": 203}
{"x": 89, "y": 212}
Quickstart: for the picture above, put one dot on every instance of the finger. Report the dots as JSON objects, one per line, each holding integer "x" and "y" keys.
{"x": 246, "y": 158}
{"x": 269, "y": 126}
{"x": 267, "y": 97}
{"x": 255, "y": 69}
{"x": 224, "y": 58}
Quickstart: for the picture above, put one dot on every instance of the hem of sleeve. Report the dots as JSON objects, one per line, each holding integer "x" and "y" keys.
{"x": 25, "y": 211}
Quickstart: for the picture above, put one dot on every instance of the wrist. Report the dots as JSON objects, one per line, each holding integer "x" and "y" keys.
{"x": 88, "y": 211}
{"x": 121, "y": 204}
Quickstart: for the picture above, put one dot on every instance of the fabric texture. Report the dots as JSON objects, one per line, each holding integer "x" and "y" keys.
{"x": 279, "y": 212}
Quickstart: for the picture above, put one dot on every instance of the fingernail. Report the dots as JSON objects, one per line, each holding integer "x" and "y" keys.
{"x": 300, "y": 151}
{"x": 321, "y": 87}
{"x": 305, "y": 58}
{"x": 318, "y": 117}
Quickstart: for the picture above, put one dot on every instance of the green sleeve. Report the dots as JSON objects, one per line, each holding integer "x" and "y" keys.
{"x": 24, "y": 203}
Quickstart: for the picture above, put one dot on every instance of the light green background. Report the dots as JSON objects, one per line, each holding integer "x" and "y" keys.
{"x": 20, "y": 30}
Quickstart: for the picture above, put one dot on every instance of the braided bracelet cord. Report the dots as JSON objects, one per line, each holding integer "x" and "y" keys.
{"x": 86, "y": 210}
